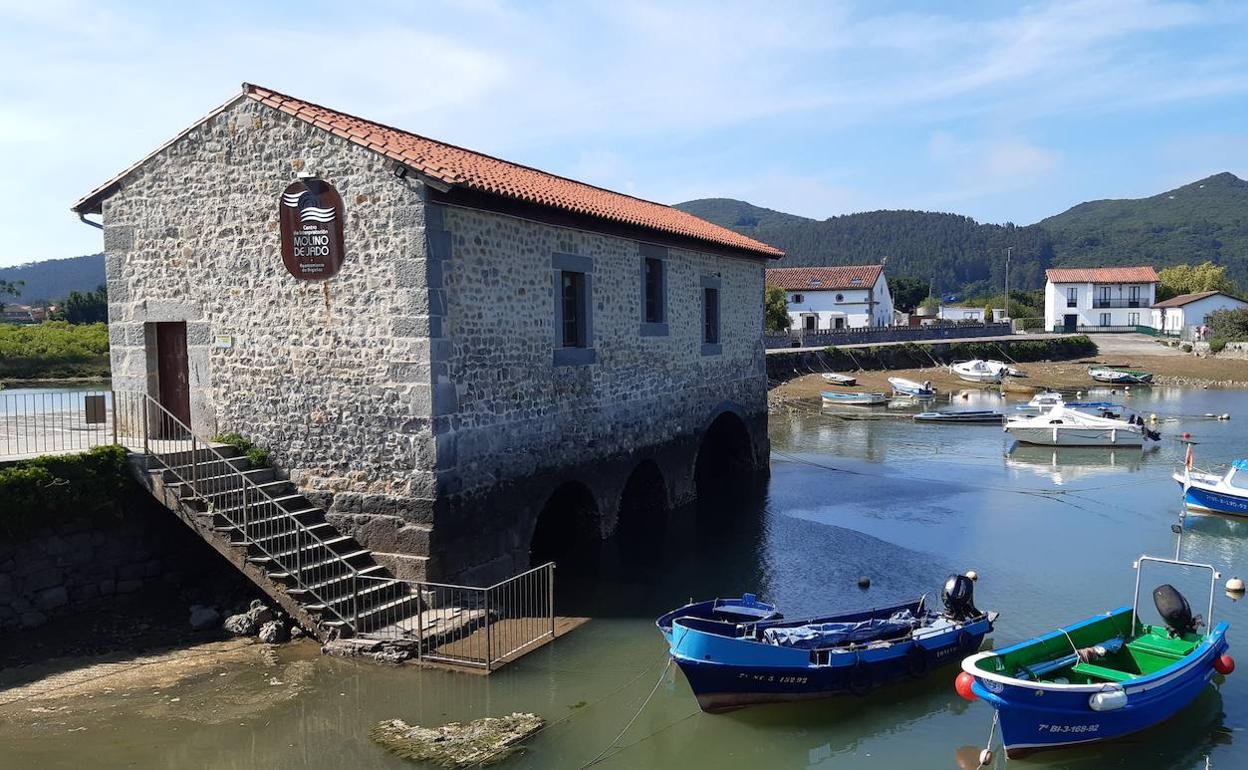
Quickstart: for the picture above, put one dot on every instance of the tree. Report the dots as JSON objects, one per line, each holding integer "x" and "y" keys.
{"x": 1230, "y": 325}
{"x": 907, "y": 292}
{"x": 776, "y": 309}
{"x": 79, "y": 308}
{"x": 12, "y": 288}
{"x": 1186, "y": 279}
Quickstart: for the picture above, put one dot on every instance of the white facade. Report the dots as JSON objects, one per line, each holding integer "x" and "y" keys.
{"x": 1174, "y": 319}
{"x": 1072, "y": 305}
{"x": 819, "y": 309}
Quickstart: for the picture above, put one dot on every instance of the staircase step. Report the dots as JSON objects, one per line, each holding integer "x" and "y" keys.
{"x": 369, "y": 618}
{"x": 320, "y": 530}
{"x": 314, "y": 565}
{"x": 362, "y": 596}
{"x": 256, "y": 494}
{"x": 278, "y": 501}
{"x": 301, "y": 515}
{"x": 221, "y": 484}
{"x": 368, "y": 571}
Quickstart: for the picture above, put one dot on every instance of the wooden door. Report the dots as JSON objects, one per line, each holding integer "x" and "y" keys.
{"x": 173, "y": 377}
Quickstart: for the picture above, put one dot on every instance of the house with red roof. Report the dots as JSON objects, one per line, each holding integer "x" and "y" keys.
{"x": 842, "y": 297}
{"x": 1181, "y": 315}
{"x": 459, "y": 364}
{"x": 1099, "y": 298}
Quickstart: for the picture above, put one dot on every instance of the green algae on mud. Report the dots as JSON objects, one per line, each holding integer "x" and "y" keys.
{"x": 458, "y": 744}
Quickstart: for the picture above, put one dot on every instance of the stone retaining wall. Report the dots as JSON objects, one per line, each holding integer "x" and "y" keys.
{"x": 880, "y": 334}
{"x": 83, "y": 565}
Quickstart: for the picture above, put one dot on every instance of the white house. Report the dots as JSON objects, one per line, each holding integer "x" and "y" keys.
{"x": 1189, "y": 310}
{"x": 1091, "y": 298}
{"x": 845, "y": 297}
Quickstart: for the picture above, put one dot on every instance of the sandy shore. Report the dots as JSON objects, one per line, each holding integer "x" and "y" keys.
{"x": 1167, "y": 370}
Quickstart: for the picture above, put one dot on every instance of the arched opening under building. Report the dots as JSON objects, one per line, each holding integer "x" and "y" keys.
{"x": 725, "y": 463}
{"x": 643, "y": 515}
{"x": 567, "y": 530}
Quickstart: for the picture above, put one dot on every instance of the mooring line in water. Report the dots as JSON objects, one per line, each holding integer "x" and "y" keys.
{"x": 603, "y": 754}
{"x": 648, "y": 736}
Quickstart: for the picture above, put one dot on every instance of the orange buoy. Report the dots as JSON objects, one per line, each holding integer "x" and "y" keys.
{"x": 1186, "y": 435}
{"x": 964, "y": 681}
{"x": 1224, "y": 664}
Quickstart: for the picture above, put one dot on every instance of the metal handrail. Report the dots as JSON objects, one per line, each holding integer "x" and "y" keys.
{"x": 293, "y": 570}
{"x": 1139, "y": 565}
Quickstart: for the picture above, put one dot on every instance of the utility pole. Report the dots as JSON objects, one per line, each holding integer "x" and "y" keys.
{"x": 1008, "y": 251}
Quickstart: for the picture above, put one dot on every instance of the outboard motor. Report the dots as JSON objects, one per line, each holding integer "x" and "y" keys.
{"x": 959, "y": 597}
{"x": 1174, "y": 610}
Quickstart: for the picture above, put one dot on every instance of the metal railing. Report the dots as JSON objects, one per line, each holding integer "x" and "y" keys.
{"x": 225, "y": 487}
{"x": 54, "y": 422}
{"x": 473, "y": 626}
{"x": 1098, "y": 302}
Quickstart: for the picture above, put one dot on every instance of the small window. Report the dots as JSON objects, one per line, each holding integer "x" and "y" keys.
{"x": 710, "y": 316}
{"x": 1072, "y": 297}
{"x": 1105, "y": 319}
{"x": 1133, "y": 319}
{"x": 855, "y": 281}
{"x": 799, "y": 298}
{"x": 840, "y": 297}
{"x": 574, "y": 320}
{"x": 816, "y": 282}
{"x": 654, "y": 290}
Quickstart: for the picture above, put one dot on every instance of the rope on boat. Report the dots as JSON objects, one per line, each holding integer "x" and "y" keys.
{"x": 603, "y": 754}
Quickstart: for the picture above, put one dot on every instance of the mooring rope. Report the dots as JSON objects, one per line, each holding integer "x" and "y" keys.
{"x": 603, "y": 754}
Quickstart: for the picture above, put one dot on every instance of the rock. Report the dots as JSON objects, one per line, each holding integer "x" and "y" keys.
{"x": 51, "y": 598}
{"x": 260, "y": 614}
{"x": 240, "y": 625}
{"x": 458, "y": 744}
{"x": 273, "y": 632}
{"x": 296, "y": 632}
{"x": 128, "y": 586}
{"x": 203, "y": 617}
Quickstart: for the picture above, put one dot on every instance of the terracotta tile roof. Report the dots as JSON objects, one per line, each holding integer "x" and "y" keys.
{"x": 458, "y": 167}
{"x": 1187, "y": 299}
{"x": 1145, "y": 274}
{"x": 816, "y": 278}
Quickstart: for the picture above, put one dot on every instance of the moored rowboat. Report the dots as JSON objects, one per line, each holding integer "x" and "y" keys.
{"x": 853, "y": 399}
{"x": 838, "y": 379}
{"x": 982, "y": 416}
{"x": 912, "y": 388}
{"x": 1119, "y": 376}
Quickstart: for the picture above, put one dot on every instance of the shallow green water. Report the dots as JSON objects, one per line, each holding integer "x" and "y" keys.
{"x": 904, "y": 504}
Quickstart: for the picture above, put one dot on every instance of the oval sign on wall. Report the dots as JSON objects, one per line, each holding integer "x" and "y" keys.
{"x": 311, "y": 217}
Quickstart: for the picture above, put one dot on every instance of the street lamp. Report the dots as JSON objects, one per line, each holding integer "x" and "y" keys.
{"x": 1008, "y": 251}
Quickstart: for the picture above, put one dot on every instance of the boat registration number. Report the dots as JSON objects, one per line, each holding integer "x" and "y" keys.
{"x": 774, "y": 678}
{"x": 1069, "y": 728}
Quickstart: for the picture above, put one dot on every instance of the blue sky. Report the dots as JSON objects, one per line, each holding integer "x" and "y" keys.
{"x": 998, "y": 110}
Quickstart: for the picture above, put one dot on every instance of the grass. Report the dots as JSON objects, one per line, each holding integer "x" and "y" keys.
{"x": 53, "y": 350}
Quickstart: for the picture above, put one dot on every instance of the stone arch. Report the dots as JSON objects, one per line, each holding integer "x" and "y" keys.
{"x": 725, "y": 457}
{"x": 644, "y": 507}
{"x": 568, "y": 527}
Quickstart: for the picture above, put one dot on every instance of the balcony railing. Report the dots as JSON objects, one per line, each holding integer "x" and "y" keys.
{"x": 1099, "y": 302}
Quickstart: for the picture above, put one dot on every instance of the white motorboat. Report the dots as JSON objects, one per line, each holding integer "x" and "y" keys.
{"x": 911, "y": 388}
{"x": 1225, "y": 493}
{"x": 1006, "y": 369}
{"x": 1061, "y": 426}
{"x": 977, "y": 371}
{"x": 1042, "y": 402}
{"x": 833, "y": 378}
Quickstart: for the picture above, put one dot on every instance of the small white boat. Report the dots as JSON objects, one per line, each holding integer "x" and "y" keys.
{"x": 1226, "y": 493}
{"x": 1119, "y": 376}
{"x": 1042, "y": 402}
{"x": 1061, "y": 426}
{"x": 833, "y": 378}
{"x": 979, "y": 416}
{"x": 853, "y": 399}
{"x": 977, "y": 371}
{"x": 1006, "y": 369}
{"x": 911, "y": 388}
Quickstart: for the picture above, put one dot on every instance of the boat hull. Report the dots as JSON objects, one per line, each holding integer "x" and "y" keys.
{"x": 727, "y": 674}
{"x": 1075, "y": 436}
{"x": 1201, "y": 497}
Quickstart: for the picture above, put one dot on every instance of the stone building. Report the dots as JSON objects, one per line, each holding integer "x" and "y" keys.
{"x": 502, "y": 357}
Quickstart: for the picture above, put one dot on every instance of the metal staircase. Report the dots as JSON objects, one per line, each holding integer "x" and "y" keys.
{"x": 324, "y": 579}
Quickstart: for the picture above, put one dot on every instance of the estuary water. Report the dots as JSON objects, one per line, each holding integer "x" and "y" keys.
{"x": 1052, "y": 535}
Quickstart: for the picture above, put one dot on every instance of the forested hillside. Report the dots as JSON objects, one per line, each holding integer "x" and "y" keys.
{"x": 1206, "y": 220}
{"x": 54, "y": 279}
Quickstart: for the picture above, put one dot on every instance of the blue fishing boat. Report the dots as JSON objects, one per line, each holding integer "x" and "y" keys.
{"x": 738, "y": 652}
{"x": 1216, "y": 493}
{"x": 1101, "y": 678}
{"x": 831, "y": 397}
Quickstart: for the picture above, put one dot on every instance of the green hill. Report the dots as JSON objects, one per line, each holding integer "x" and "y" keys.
{"x": 1205, "y": 220}
{"x": 53, "y": 279}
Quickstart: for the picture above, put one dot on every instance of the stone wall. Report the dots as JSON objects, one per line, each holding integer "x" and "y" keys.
{"x": 83, "y": 565}
{"x": 332, "y": 377}
{"x": 880, "y": 334}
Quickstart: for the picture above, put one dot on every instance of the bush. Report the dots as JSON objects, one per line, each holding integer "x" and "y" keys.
{"x": 259, "y": 458}
{"x": 1185, "y": 347}
{"x": 46, "y": 491}
{"x": 1217, "y": 344}
{"x": 54, "y": 349}
{"x": 1231, "y": 325}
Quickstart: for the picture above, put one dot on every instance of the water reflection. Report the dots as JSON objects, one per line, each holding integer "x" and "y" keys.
{"x": 1062, "y": 465}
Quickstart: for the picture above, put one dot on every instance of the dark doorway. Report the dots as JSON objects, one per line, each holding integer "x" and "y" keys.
{"x": 725, "y": 463}
{"x": 643, "y": 516}
{"x": 567, "y": 530}
{"x": 1070, "y": 323}
{"x": 172, "y": 375}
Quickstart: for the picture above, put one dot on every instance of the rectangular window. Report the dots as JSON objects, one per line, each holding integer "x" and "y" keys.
{"x": 1104, "y": 292}
{"x": 573, "y": 337}
{"x": 1072, "y": 297}
{"x": 573, "y": 291}
{"x": 1134, "y": 296}
{"x": 654, "y": 290}
{"x": 1133, "y": 319}
{"x": 710, "y": 316}
{"x": 810, "y": 322}
{"x": 1105, "y": 319}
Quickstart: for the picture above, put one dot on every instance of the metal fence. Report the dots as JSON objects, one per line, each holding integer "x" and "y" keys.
{"x": 55, "y": 422}
{"x": 474, "y": 626}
